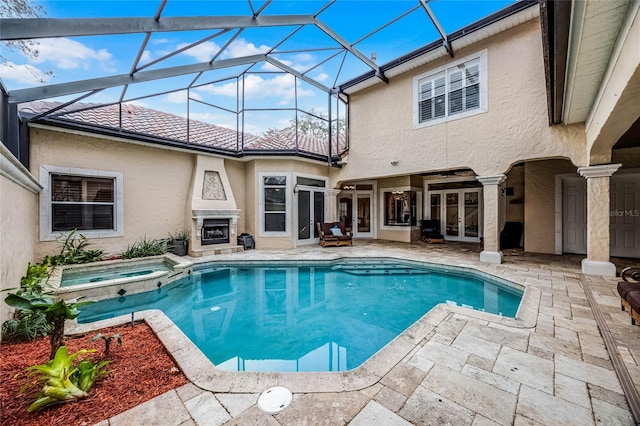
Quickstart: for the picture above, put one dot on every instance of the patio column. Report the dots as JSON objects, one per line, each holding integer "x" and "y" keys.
{"x": 597, "y": 261}
{"x": 491, "y": 229}
{"x": 332, "y": 205}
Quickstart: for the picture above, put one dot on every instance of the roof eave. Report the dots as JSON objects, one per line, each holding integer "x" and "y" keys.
{"x": 174, "y": 144}
{"x": 555, "y": 20}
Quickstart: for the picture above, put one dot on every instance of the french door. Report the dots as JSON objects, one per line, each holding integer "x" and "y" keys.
{"x": 355, "y": 209}
{"x": 459, "y": 213}
{"x": 310, "y": 211}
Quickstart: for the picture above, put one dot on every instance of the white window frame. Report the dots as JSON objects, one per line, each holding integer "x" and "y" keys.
{"x": 261, "y": 210}
{"x": 46, "y": 215}
{"x": 382, "y": 206}
{"x": 481, "y": 58}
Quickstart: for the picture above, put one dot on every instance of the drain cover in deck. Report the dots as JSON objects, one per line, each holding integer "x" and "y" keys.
{"x": 274, "y": 400}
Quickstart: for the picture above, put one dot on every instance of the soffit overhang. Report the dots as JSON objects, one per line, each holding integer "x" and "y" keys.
{"x": 594, "y": 30}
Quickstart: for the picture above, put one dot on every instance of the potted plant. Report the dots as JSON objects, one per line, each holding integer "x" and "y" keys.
{"x": 179, "y": 242}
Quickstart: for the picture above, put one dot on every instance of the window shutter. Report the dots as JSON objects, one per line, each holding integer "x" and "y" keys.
{"x": 432, "y": 98}
{"x": 425, "y": 104}
{"x": 455, "y": 92}
{"x": 440, "y": 98}
{"x": 473, "y": 87}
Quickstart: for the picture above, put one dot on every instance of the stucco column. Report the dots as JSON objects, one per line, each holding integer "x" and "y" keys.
{"x": 597, "y": 261}
{"x": 332, "y": 205}
{"x": 491, "y": 232}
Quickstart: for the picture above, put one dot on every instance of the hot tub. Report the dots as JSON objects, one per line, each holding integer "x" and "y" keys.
{"x": 114, "y": 278}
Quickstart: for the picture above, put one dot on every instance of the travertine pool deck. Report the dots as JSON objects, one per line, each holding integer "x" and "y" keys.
{"x": 455, "y": 366}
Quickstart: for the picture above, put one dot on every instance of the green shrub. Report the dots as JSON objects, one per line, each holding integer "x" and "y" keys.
{"x": 38, "y": 314}
{"x": 26, "y": 325}
{"x": 181, "y": 235}
{"x": 144, "y": 248}
{"x": 74, "y": 250}
{"x": 36, "y": 278}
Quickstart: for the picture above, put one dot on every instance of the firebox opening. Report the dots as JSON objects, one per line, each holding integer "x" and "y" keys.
{"x": 215, "y": 231}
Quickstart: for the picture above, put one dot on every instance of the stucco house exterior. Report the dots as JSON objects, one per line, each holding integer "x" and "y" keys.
{"x": 528, "y": 116}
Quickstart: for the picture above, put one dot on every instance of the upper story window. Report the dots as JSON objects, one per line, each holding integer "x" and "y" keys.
{"x": 87, "y": 200}
{"x": 455, "y": 91}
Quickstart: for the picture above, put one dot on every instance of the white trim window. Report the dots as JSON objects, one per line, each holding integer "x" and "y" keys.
{"x": 448, "y": 93}
{"x": 87, "y": 200}
{"x": 274, "y": 204}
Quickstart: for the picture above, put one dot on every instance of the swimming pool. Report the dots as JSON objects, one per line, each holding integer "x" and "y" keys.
{"x": 325, "y": 316}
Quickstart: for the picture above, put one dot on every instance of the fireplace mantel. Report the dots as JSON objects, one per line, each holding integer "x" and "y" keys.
{"x": 200, "y": 215}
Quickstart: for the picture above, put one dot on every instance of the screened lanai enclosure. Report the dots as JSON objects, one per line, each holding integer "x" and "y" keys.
{"x": 236, "y": 78}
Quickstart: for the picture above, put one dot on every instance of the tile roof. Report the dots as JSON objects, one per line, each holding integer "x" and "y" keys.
{"x": 161, "y": 125}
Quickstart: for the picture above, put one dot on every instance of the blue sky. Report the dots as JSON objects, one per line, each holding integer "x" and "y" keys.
{"x": 80, "y": 58}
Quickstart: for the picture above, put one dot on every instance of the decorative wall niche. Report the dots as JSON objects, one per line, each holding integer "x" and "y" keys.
{"x": 212, "y": 188}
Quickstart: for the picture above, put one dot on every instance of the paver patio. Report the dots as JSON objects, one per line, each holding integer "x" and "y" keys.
{"x": 551, "y": 366}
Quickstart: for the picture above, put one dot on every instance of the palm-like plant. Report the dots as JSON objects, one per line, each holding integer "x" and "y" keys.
{"x": 56, "y": 313}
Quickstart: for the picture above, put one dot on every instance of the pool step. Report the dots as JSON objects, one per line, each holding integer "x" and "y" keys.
{"x": 380, "y": 270}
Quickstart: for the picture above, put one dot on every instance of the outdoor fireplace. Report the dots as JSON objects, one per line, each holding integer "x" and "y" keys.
{"x": 215, "y": 231}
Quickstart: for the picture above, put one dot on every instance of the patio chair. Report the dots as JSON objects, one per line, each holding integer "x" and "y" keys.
{"x": 511, "y": 235}
{"x": 629, "y": 291}
{"x": 430, "y": 231}
{"x": 334, "y": 234}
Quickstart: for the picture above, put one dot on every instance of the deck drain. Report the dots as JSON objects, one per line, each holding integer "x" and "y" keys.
{"x": 274, "y": 400}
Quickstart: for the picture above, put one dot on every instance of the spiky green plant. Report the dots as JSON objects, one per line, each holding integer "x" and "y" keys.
{"x": 64, "y": 381}
{"x": 74, "y": 250}
{"x": 145, "y": 247}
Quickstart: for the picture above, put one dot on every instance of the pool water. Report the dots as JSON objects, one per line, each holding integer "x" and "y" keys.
{"x": 329, "y": 317}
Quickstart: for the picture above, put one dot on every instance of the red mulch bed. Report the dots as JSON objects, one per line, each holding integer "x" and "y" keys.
{"x": 142, "y": 369}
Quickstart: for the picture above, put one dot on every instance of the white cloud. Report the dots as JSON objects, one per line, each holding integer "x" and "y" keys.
{"x": 322, "y": 76}
{"x": 228, "y": 89}
{"x": 270, "y": 67}
{"x": 241, "y": 47}
{"x": 70, "y": 54}
{"x": 203, "y": 52}
{"x": 207, "y": 117}
{"x": 137, "y": 103}
{"x": 160, "y": 41}
{"x": 267, "y": 66}
{"x": 304, "y": 57}
{"x": 180, "y": 97}
{"x": 146, "y": 57}
{"x": 27, "y": 74}
{"x": 256, "y": 87}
